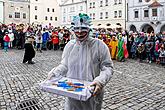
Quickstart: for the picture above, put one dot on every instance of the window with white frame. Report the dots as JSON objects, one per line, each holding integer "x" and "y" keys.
{"x": 81, "y": 8}
{"x": 101, "y": 3}
{"x": 146, "y": 13}
{"x": 115, "y": 14}
{"x": 36, "y": 17}
{"x": 93, "y": 16}
{"x": 17, "y": 14}
{"x": 93, "y": 4}
{"x": 120, "y": 13}
{"x": 136, "y": 14}
{"x": 106, "y": 2}
{"x": 90, "y": 5}
{"x": 24, "y": 15}
{"x": 106, "y": 15}
{"x": 154, "y": 12}
{"x": 120, "y": 1}
{"x": 64, "y": 10}
{"x": 46, "y": 18}
{"x": 55, "y": 18}
{"x": 35, "y": 7}
{"x": 101, "y": 15}
{"x": 115, "y": 2}
{"x": 90, "y": 15}
{"x": 64, "y": 19}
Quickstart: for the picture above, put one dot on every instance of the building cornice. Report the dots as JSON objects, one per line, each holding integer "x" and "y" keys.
{"x": 72, "y": 3}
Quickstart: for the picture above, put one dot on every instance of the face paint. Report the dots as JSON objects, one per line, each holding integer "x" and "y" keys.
{"x": 81, "y": 32}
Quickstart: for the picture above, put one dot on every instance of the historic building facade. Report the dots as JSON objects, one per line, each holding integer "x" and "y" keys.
{"x": 70, "y": 8}
{"x": 146, "y": 15}
{"x": 1, "y": 11}
{"x": 44, "y": 12}
{"x": 108, "y": 12}
{"x": 16, "y": 11}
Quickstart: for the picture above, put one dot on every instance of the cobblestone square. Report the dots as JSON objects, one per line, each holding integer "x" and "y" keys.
{"x": 134, "y": 86}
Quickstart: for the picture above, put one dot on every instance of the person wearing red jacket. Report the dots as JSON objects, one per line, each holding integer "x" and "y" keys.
{"x": 6, "y": 41}
{"x": 55, "y": 41}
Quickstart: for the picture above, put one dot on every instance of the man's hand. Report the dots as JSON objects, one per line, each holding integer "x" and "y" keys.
{"x": 50, "y": 74}
{"x": 97, "y": 88}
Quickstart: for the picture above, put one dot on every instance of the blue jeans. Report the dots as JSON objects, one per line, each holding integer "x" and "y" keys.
{"x": 6, "y": 46}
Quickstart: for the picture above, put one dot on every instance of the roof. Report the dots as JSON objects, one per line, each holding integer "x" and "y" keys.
{"x": 155, "y": 4}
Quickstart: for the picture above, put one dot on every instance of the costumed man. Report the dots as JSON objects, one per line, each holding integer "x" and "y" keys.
{"x": 120, "y": 55}
{"x": 113, "y": 46}
{"x": 29, "y": 49}
{"x": 85, "y": 58}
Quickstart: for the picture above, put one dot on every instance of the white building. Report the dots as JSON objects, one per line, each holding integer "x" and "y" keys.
{"x": 16, "y": 11}
{"x": 70, "y": 8}
{"x": 45, "y": 12}
{"x": 1, "y": 11}
{"x": 146, "y": 15}
{"x": 107, "y": 12}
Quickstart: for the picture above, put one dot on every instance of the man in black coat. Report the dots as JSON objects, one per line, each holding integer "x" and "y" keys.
{"x": 29, "y": 49}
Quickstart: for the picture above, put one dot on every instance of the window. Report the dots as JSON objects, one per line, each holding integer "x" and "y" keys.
{"x": 55, "y": 18}
{"x": 90, "y": 15}
{"x": 106, "y": 2}
{"x": 154, "y": 12}
{"x": 106, "y": 15}
{"x": 101, "y": 3}
{"x": 90, "y": 5}
{"x": 46, "y": 18}
{"x": 136, "y": 14}
{"x": 53, "y": 10}
{"x": 51, "y": 18}
{"x": 140, "y": 0}
{"x": 10, "y": 15}
{"x": 64, "y": 19}
{"x": 24, "y": 15}
{"x": 101, "y": 15}
{"x": 146, "y": 13}
{"x": 35, "y": 17}
{"x": 17, "y": 15}
{"x": 48, "y": 10}
{"x": 93, "y": 4}
{"x": 70, "y": 18}
{"x": 115, "y": 2}
{"x": 120, "y": 13}
{"x": 115, "y": 14}
{"x": 120, "y": 1}
{"x": 93, "y": 16}
{"x": 81, "y": 8}
{"x": 35, "y": 7}
{"x": 64, "y": 10}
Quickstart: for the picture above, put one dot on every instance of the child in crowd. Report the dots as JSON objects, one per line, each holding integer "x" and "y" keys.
{"x": 141, "y": 50}
{"x": 55, "y": 41}
{"x": 6, "y": 41}
{"x": 162, "y": 54}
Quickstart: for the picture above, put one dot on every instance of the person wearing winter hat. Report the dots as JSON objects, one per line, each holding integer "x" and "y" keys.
{"x": 85, "y": 58}
{"x": 29, "y": 49}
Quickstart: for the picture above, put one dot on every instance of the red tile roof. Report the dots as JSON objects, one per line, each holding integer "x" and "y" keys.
{"x": 155, "y": 4}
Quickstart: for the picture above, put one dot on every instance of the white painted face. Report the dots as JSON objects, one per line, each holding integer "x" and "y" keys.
{"x": 81, "y": 32}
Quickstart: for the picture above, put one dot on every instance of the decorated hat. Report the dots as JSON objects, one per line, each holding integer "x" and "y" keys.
{"x": 82, "y": 20}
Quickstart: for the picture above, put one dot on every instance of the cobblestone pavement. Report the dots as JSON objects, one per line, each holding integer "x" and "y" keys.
{"x": 134, "y": 86}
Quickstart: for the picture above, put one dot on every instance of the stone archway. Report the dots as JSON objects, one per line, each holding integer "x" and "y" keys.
{"x": 133, "y": 28}
{"x": 162, "y": 28}
{"x": 147, "y": 28}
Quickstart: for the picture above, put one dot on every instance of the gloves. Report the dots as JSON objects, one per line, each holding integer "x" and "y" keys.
{"x": 97, "y": 88}
{"x": 50, "y": 74}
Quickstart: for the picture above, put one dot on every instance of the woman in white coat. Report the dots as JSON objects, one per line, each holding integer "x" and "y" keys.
{"x": 85, "y": 58}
